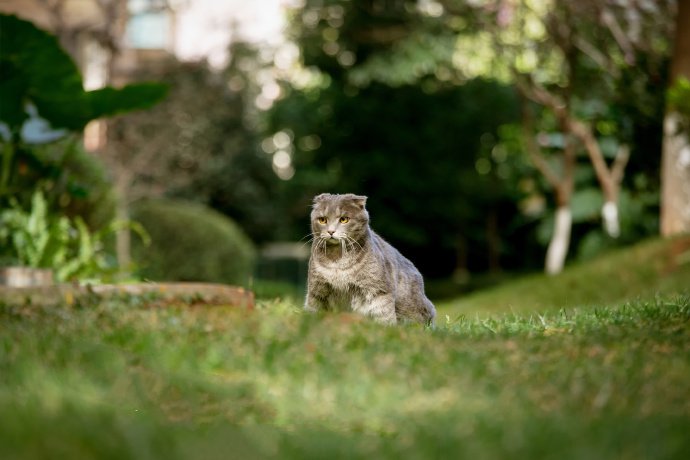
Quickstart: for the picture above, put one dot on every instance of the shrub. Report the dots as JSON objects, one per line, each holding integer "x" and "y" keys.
{"x": 191, "y": 242}
{"x": 41, "y": 239}
{"x": 75, "y": 182}
{"x": 78, "y": 184}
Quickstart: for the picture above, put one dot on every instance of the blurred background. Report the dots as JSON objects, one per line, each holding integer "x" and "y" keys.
{"x": 185, "y": 139}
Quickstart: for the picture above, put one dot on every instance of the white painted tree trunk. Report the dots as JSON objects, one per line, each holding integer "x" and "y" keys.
{"x": 558, "y": 247}
{"x": 675, "y": 160}
{"x": 609, "y": 214}
{"x": 675, "y": 179}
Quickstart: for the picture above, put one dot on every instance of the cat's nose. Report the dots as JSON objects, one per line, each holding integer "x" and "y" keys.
{"x": 331, "y": 232}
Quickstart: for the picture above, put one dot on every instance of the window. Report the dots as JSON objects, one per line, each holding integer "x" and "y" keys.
{"x": 149, "y": 25}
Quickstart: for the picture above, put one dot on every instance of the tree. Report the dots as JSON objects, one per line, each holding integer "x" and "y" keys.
{"x": 417, "y": 156}
{"x": 597, "y": 44}
{"x": 675, "y": 194}
{"x": 572, "y": 58}
{"x": 198, "y": 144}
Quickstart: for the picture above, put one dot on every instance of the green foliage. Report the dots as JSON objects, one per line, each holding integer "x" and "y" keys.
{"x": 190, "y": 242}
{"x": 115, "y": 378}
{"x": 40, "y": 239}
{"x": 414, "y": 151}
{"x": 678, "y": 96}
{"x": 38, "y": 75}
{"x": 200, "y": 143}
{"x": 75, "y": 181}
{"x": 437, "y": 45}
{"x": 417, "y": 56}
{"x": 639, "y": 218}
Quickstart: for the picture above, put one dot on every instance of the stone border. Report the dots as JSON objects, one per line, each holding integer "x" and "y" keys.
{"x": 184, "y": 293}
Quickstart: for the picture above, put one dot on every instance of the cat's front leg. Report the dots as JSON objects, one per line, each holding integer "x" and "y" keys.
{"x": 316, "y": 299}
{"x": 314, "y": 304}
{"x": 381, "y": 308}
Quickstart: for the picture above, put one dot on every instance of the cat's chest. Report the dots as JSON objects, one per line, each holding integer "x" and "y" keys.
{"x": 341, "y": 278}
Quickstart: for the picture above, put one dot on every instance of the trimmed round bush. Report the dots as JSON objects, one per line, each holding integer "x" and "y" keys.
{"x": 191, "y": 242}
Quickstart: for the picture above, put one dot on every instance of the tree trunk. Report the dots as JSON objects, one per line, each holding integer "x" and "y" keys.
{"x": 558, "y": 247}
{"x": 123, "y": 238}
{"x": 675, "y": 160}
{"x": 563, "y": 184}
{"x": 609, "y": 214}
{"x": 610, "y": 178}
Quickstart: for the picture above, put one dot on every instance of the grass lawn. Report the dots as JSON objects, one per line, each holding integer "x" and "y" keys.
{"x": 124, "y": 379}
{"x": 639, "y": 272}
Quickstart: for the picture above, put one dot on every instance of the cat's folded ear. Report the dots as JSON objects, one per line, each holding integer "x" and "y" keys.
{"x": 359, "y": 200}
{"x": 320, "y": 198}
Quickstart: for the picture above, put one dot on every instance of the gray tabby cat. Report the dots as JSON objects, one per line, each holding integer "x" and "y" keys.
{"x": 352, "y": 268}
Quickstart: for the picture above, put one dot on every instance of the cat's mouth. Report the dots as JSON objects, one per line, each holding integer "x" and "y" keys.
{"x": 333, "y": 240}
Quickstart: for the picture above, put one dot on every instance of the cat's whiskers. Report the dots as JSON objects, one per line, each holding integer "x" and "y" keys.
{"x": 353, "y": 241}
{"x": 312, "y": 237}
{"x": 311, "y": 240}
{"x": 312, "y": 234}
{"x": 349, "y": 247}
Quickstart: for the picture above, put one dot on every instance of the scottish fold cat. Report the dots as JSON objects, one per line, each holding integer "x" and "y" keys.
{"x": 352, "y": 268}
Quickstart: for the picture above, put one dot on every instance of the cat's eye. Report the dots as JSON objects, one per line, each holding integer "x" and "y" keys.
{"x": 322, "y": 220}
{"x": 344, "y": 220}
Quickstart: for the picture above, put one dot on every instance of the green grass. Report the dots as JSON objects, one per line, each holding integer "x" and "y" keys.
{"x": 637, "y": 272}
{"x": 121, "y": 378}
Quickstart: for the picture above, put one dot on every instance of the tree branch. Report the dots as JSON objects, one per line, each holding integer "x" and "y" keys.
{"x": 534, "y": 151}
{"x": 610, "y": 21}
{"x": 619, "y": 164}
{"x": 542, "y": 96}
{"x": 584, "y": 132}
{"x": 595, "y": 55}
{"x": 456, "y": 9}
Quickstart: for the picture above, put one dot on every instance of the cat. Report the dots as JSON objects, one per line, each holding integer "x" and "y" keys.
{"x": 352, "y": 268}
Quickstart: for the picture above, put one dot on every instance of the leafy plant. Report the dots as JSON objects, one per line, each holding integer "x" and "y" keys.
{"x": 75, "y": 182}
{"x": 41, "y": 240}
{"x": 38, "y": 79}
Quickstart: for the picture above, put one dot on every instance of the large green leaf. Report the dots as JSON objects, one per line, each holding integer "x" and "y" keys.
{"x": 12, "y": 88}
{"x": 49, "y": 78}
{"x": 34, "y": 68}
{"x": 110, "y": 101}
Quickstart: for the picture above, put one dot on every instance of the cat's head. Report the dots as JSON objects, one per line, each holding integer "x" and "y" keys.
{"x": 338, "y": 217}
